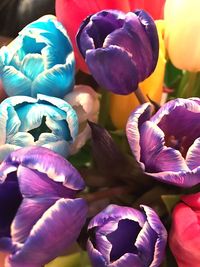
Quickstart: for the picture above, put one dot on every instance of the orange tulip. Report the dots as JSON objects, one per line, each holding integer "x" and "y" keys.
{"x": 122, "y": 106}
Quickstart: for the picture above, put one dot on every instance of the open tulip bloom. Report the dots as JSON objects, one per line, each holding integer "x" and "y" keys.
{"x": 46, "y": 121}
{"x": 108, "y": 40}
{"x": 122, "y": 236}
{"x": 39, "y": 60}
{"x": 167, "y": 144}
{"x": 39, "y": 215}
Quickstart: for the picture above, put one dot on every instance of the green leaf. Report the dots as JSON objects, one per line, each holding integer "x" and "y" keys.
{"x": 66, "y": 261}
{"x": 170, "y": 201}
{"x": 172, "y": 76}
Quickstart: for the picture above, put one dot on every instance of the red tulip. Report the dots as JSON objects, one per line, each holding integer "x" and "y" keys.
{"x": 184, "y": 236}
{"x": 71, "y": 13}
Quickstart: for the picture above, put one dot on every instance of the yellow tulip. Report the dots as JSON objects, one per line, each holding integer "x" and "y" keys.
{"x": 121, "y": 106}
{"x": 182, "y": 39}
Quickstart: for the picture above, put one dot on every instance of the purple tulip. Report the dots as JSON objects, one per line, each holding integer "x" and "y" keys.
{"x": 167, "y": 145}
{"x": 39, "y": 217}
{"x": 120, "y": 49}
{"x": 126, "y": 237}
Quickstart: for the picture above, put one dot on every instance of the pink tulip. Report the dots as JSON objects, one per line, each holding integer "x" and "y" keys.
{"x": 184, "y": 236}
{"x": 71, "y": 13}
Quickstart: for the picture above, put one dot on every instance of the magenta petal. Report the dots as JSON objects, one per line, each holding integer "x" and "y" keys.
{"x": 30, "y": 211}
{"x": 105, "y": 64}
{"x": 137, "y": 117}
{"x": 155, "y": 156}
{"x": 193, "y": 155}
{"x": 57, "y": 229}
{"x": 45, "y": 161}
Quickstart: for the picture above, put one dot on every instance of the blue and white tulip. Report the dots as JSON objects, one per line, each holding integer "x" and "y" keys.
{"x": 46, "y": 121}
{"x": 40, "y": 60}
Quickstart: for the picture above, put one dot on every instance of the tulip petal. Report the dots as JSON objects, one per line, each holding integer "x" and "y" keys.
{"x": 54, "y": 143}
{"x": 6, "y": 149}
{"x": 59, "y": 226}
{"x": 41, "y": 186}
{"x": 105, "y": 65}
{"x": 127, "y": 259}
{"x": 45, "y": 161}
{"x": 21, "y": 139}
{"x": 150, "y": 29}
{"x": 155, "y": 156}
{"x": 13, "y": 122}
{"x": 192, "y": 157}
{"x": 116, "y": 213}
{"x": 181, "y": 178}
{"x": 159, "y": 229}
{"x": 95, "y": 256}
{"x": 15, "y": 82}
{"x": 131, "y": 42}
{"x": 29, "y": 64}
{"x": 185, "y": 230}
{"x": 3, "y": 124}
{"x": 71, "y": 116}
{"x": 29, "y": 212}
{"x": 56, "y": 81}
{"x": 137, "y": 117}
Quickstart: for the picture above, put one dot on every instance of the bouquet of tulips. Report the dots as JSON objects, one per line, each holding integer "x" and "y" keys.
{"x": 100, "y": 137}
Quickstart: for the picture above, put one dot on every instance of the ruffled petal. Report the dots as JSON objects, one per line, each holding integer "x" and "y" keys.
{"x": 155, "y": 156}
{"x": 137, "y": 117}
{"x": 55, "y": 231}
{"x": 15, "y": 82}
{"x": 193, "y": 155}
{"x": 116, "y": 213}
{"x": 105, "y": 64}
{"x": 57, "y": 81}
{"x": 71, "y": 116}
{"x": 44, "y": 161}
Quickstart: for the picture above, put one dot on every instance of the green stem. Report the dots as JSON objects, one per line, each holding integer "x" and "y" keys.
{"x": 104, "y": 107}
{"x": 190, "y": 85}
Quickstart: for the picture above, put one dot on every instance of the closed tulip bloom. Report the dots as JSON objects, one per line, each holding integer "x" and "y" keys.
{"x": 42, "y": 217}
{"x": 167, "y": 144}
{"x": 122, "y": 236}
{"x": 71, "y": 13}
{"x": 181, "y": 38}
{"x": 85, "y": 101}
{"x": 120, "y": 49}
{"x": 46, "y": 121}
{"x": 121, "y": 106}
{"x": 39, "y": 60}
{"x": 184, "y": 238}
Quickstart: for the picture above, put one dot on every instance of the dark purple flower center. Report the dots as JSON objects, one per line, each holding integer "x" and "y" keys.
{"x": 123, "y": 239}
{"x": 181, "y": 128}
{"x": 10, "y": 200}
{"x": 103, "y": 25}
